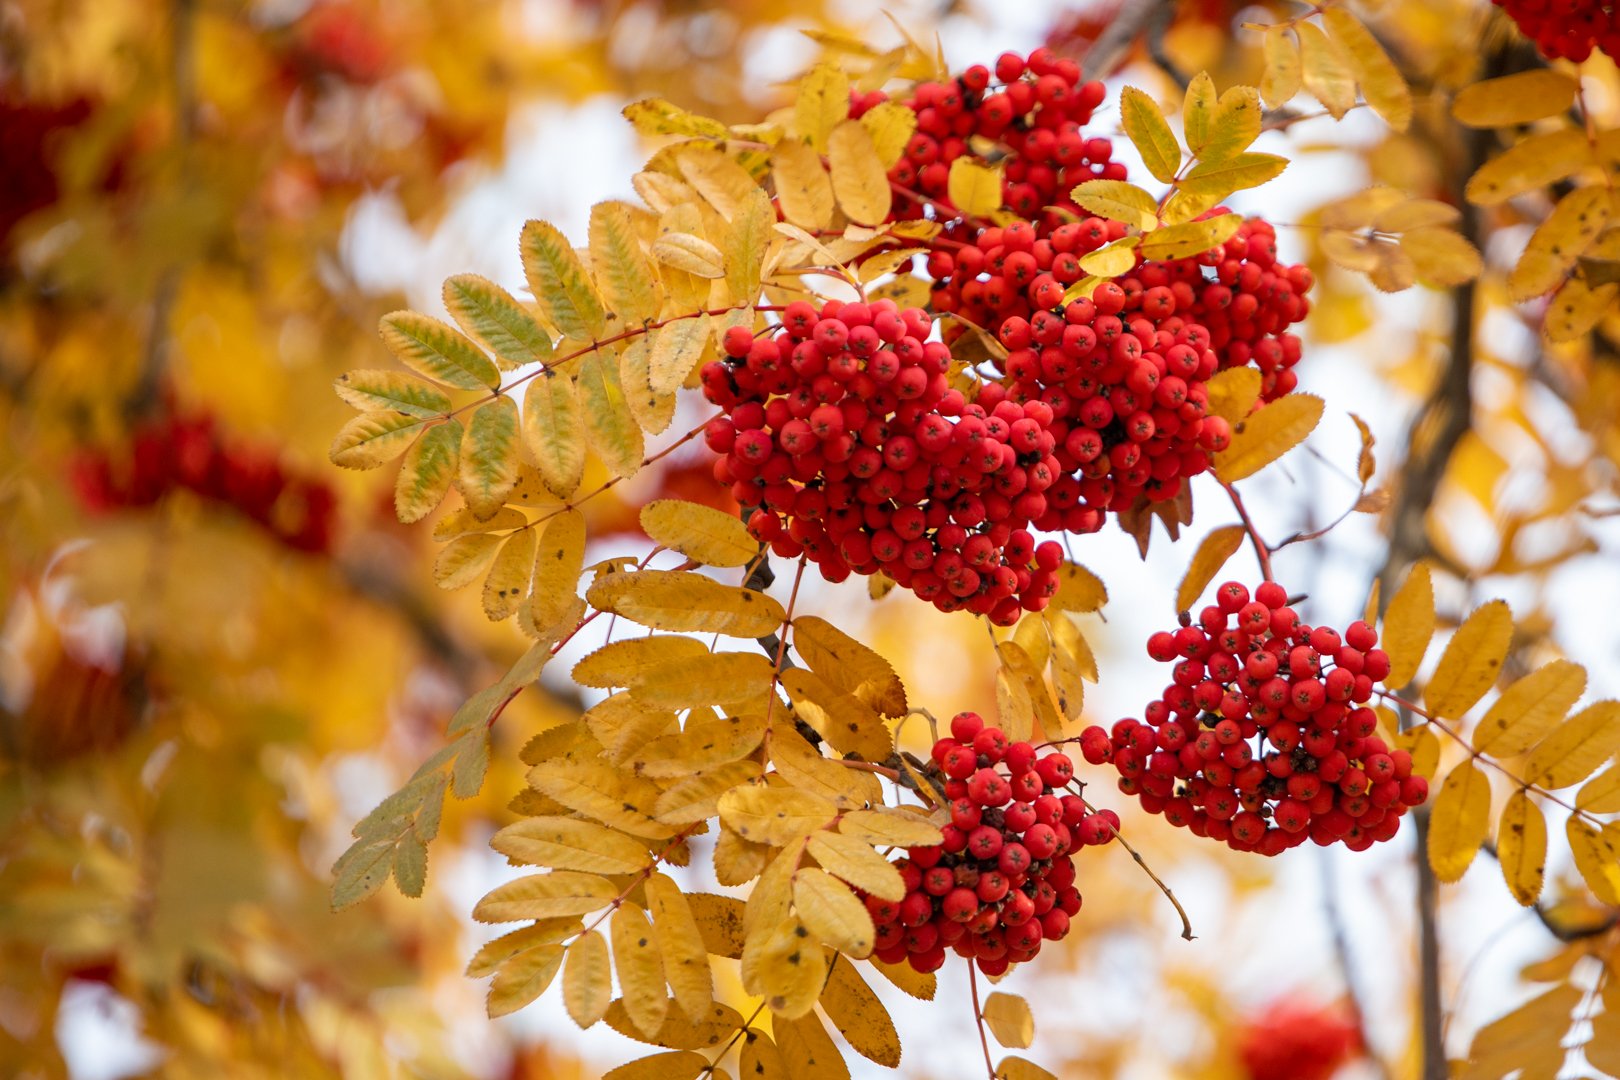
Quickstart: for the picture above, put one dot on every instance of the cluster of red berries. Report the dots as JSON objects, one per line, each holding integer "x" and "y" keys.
{"x": 1002, "y": 881}
{"x": 1036, "y": 112}
{"x": 187, "y": 452}
{"x": 841, "y": 429}
{"x": 1567, "y": 29}
{"x": 1297, "y": 1040}
{"x": 1251, "y": 670}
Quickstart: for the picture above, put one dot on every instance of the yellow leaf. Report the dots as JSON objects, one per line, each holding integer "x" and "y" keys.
{"x": 856, "y": 862}
{"x": 1234, "y": 125}
{"x": 1113, "y": 259}
{"x": 822, "y": 103}
{"x": 1267, "y": 435}
{"x": 545, "y": 896}
{"x": 1532, "y": 1030}
{"x": 803, "y": 767}
{"x": 1534, "y": 162}
{"x": 802, "y": 187}
{"x": 759, "y": 1058}
{"x": 523, "y": 978}
{"x": 1442, "y": 257}
{"x": 508, "y": 581}
{"x": 601, "y": 791}
{"x": 378, "y": 390}
{"x": 1118, "y": 201}
{"x": 686, "y": 601}
{"x": 558, "y": 561}
{"x": 808, "y": 1050}
{"x": 489, "y": 314}
{"x": 621, "y": 725}
{"x": 1283, "y": 75}
{"x": 698, "y": 797}
{"x": 427, "y": 472}
{"x": 554, "y": 431}
{"x": 1521, "y": 847}
{"x": 1408, "y": 625}
{"x": 632, "y": 662}
{"x": 714, "y": 1026}
{"x": 1472, "y": 661}
{"x": 587, "y": 981}
{"x": 858, "y": 178}
{"x": 1079, "y": 590}
{"x": 717, "y": 177}
{"x": 903, "y": 976}
{"x": 567, "y": 299}
{"x": 1576, "y": 748}
{"x": 1009, "y": 1019}
{"x": 614, "y": 433}
{"x": 849, "y": 725}
{"x": 641, "y": 969}
{"x": 1187, "y": 239}
{"x": 1515, "y": 99}
{"x": 890, "y": 828}
{"x": 1325, "y": 70}
{"x": 1596, "y": 858}
{"x": 1016, "y": 1068}
{"x": 1424, "y": 746}
{"x": 1233, "y": 393}
{"x": 429, "y": 347}
{"x": 1015, "y": 704}
{"x": 834, "y": 914}
{"x": 1381, "y": 82}
{"x": 1602, "y": 794}
{"x": 693, "y": 254}
{"x": 1529, "y": 709}
{"x": 792, "y": 968}
{"x": 680, "y": 943}
{"x": 1212, "y": 553}
{"x": 1146, "y": 127}
{"x": 712, "y": 679}
{"x": 706, "y": 742}
{"x": 492, "y": 954}
{"x": 569, "y": 844}
{"x": 621, "y": 267}
{"x": 773, "y": 815}
{"x": 699, "y": 532}
{"x": 859, "y": 1016}
{"x": 1197, "y": 110}
{"x": 751, "y": 230}
{"x": 891, "y": 125}
{"x": 651, "y": 409}
{"x": 720, "y": 922}
{"x": 1218, "y": 179}
{"x": 974, "y": 188}
{"x": 655, "y": 116}
{"x": 464, "y": 558}
{"x": 1559, "y": 241}
{"x": 488, "y": 462}
{"x": 670, "y": 1065}
{"x": 1459, "y": 822}
{"x": 1577, "y": 308}
{"x": 1068, "y": 642}
{"x": 374, "y": 438}
{"x": 849, "y": 665}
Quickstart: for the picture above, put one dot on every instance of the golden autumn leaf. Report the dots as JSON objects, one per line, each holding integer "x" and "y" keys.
{"x": 1009, "y": 1019}
{"x": 859, "y": 1016}
{"x": 1017, "y": 1068}
{"x": 1283, "y": 75}
{"x": 1118, "y": 201}
{"x": 807, "y": 1048}
{"x": 559, "y": 559}
{"x": 699, "y": 532}
{"x": 896, "y": 828}
{"x": 620, "y": 266}
{"x": 544, "y": 896}
{"x": 1233, "y": 393}
{"x": 372, "y": 439}
{"x": 1079, "y": 590}
{"x": 563, "y": 290}
{"x": 677, "y": 600}
{"x": 822, "y": 103}
{"x": 792, "y": 967}
{"x": 1146, "y": 127}
{"x": 1576, "y": 748}
{"x": 1459, "y": 821}
{"x": 1213, "y": 551}
{"x": 1577, "y": 307}
{"x": 1597, "y": 857}
{"x": 858, "y": 177}
{"x": 1408, "y": 625}
{"x": 1186, "y": 239}
{"x": 491, "y": 316}
{"x": 849, "y": 665}
{"x": 670, "y": 1065}
{"x": 1112, "y": 260}
{"x": 1529, "y": 709}
{"x": 569, "y": 844}
{"x": 1602, "y": 794}
{"x": 523, "y": 978}
{"x": 1267, "y": 435}
{"x": 1472, "y": 661}
{"x": 1534, "y": 162}
{"x": 1521, "y": 847}
{"x": 680, "y": 943}
{"x": 1559, "y": 241}
{"x": 773, "y": 815}
{"x": 1442, "y": 257}
{"x": 488, "y": 460}
{"x": 1381, "y": 81}
{"x": 855, "y": 861}
{"x": 691, "y": 253}
{"x": 640, "y": 967}
{"x": 974, "y": 188}
{"x": 802, "y": 185}
{"x": 834, "y": 914}
{"x": 1325, "y": 70}
{"x": 1515, "y": 99}
{"x": 587, "y": 979}
{"x": 427, "y": 472}
{"x": 891, "y": 125}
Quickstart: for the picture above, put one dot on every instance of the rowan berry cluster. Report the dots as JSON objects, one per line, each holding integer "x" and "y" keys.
{"x": 1035, "y": 109}
{"x": 1002, "y": 882}
{"x": 187, "y": 452}
{"x": 1263, "y": 739}
{"x": 1567, "y": 29}
{"x": 842, "y": 431}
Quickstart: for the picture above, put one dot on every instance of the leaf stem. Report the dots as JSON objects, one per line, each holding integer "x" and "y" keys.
{"x": 1186, "y": 923}
{"x": 978, "y": 1018}
{"x": 1261, "y": 551}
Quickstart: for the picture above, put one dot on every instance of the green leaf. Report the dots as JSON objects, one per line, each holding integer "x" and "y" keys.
{"x": 378, "y": 390}
{"x": 360, "y": 872}
{"x": 491, "y": 314}
{"x": 472, "y": 762}
{"x": 489, "y": 456}
{"x": 554, "y": 431}
{"x": 1147, "y": 128}
{"x": 427, "y": 472}
{"x": 615, "y": 435}
{"x": 410, "y": 864}
{"x": 373, "y": 438}
{"x": 621, "y": 266}
{"x": 429, "y": 347}
{"x": 557, "y": 278}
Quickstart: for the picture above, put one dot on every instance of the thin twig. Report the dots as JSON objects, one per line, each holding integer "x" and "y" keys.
{"x": 978, "y": 1019}
{"x": 1186, "y": 923}
{"x": 1261, "y": 552}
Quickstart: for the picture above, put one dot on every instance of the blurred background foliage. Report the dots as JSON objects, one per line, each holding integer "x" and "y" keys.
{"x": 218, "y": 652}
